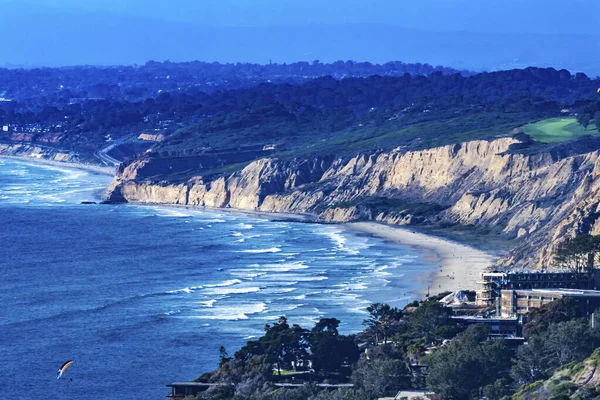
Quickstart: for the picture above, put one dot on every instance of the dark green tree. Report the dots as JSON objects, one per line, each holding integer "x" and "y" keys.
{"x": 429, "y": 320}
{"x": 223, "y": 356}
{"x": 467, "y": 364}
{"x": 280, "y": 344}
{"x": 562, "y": 343}
{"x": 579, "y": 254}
{"x": 539, "y": 319}
{"x": 597, "y": 121}
{"x": 586, "y": 114}
{"x": 330, "y": 350}
{"x": 382, "y": 376}
{"x": 380, "y": 320}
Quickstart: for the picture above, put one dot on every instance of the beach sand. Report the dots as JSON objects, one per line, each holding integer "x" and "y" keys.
{"x": 459, "y": 265}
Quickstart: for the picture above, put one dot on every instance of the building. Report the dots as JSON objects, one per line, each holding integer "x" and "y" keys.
{"x": 488, "y": 286}
{"x": 411, "y": 395}
{"x": 500, "y": 327}
{"x": 518, "y": 302}
{"x": 179, "y": 390}
{"x": 491, "y": 283}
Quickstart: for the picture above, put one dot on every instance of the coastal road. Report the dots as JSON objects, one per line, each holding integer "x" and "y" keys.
{"x": 103, "y": 156}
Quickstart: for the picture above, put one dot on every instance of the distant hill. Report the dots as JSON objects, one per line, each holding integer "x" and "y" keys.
{"x": 49, "y": 38}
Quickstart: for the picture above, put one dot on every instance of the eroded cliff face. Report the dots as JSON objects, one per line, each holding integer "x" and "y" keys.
{"x": 542, "y": 199}
{"x": 33, "y": 151}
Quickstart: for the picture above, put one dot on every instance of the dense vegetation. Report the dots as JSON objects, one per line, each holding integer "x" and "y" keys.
{"x": 420, "y": 347}
{"x": 65, "y": 85}
{"x": 323, "y": 116}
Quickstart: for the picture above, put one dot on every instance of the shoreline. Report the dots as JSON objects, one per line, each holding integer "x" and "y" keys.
{"x": 458, "y": 265}
{"x": 64, "y": 164}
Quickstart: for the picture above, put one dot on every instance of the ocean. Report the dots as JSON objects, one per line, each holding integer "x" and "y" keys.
{"x": 141, "y": 296}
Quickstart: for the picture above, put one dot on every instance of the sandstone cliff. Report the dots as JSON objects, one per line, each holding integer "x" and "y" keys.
{"x": 541, "y": 198}
{"x": 22, "y": 149}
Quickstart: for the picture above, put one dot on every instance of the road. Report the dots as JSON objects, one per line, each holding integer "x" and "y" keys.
{"x": 103, "y": 156}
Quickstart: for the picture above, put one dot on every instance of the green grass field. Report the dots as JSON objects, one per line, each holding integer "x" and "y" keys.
{"x": 556, "y": 130}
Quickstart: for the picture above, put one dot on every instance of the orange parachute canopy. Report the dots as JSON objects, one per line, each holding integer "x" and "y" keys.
{"x": 598, "y": 91}
{"x": 64, "y": 368}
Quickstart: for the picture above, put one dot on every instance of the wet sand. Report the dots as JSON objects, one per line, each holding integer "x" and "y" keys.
{"x": 459, "y": 266}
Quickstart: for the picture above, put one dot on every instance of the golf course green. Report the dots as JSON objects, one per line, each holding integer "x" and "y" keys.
{"x": 556, "y": 130}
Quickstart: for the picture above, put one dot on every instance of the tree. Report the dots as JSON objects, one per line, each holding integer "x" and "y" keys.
{"x": 562, "y": 343}
{"x": 280, "y": 344}
{"x": 383, "y": 376}
{"x": 597, "y": 121}
{"x": 330, "y": 350}
{"x": 381, "y": 318}
{"x": 223, "y": 356}
{"x": 584, "y": 118}
{"x": 467, "y": 365}
{"x": 539, "y": 319}
{"x": 530, "y": 363}
{"x": 428, "y": 319}
{"x": 497, "y": 390}
{"x": 579, "y": 254}
{"x": 586, "y": 114}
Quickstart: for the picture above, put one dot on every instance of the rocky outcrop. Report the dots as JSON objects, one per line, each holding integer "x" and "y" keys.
{"x": 541, "y": 198}
{"x": 33, "y": 151}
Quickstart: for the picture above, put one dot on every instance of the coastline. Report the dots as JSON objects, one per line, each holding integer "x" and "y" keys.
{"x": 88, "y": 167}
{"x": 459, "y": 266}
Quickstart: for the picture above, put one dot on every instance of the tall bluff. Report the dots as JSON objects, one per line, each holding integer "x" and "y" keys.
{"x": 541, "y": 198}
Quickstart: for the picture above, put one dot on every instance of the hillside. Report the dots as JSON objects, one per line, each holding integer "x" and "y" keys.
{"x": 572, "y": 381}
{"x": 438, "y": 150}
{"x": 442, "y": 152}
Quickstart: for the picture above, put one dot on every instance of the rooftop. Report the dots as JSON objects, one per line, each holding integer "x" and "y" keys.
{"x": 567, "y": 292}
{"x": 191, "y": 384}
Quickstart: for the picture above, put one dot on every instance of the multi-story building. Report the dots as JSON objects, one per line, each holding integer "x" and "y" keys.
{"x": 518, "y": 302}
{"x": 492, "y": 283}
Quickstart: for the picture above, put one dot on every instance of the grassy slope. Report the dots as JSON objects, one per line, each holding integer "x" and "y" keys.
{"x": 556, "y": 130}
{"x": 572, "y": 381}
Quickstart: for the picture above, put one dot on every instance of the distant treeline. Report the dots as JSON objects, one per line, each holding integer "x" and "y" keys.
{"x": 287, "y": 114}
{"x": 133, "y": 83}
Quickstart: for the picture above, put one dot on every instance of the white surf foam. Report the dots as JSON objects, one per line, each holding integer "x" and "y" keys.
{"x": 224, "y": 283}
{"x": 208, "y": 303}
{"x": 234, "y": 313}
{"x": 230, "y": 290}
{"x": 260, "y": 251}
{"x": 185, "y": 290}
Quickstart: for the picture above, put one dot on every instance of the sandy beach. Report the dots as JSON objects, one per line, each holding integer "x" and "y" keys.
{"x": 460, "y": 265}
{"x": 88, "y": 167}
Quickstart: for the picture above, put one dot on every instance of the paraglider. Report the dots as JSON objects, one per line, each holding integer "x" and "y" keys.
{"x": 598, "y": 91}
{"x": 64, "y": 368}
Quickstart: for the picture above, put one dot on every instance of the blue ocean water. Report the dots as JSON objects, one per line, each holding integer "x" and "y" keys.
{"x": 140, "y": 296}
